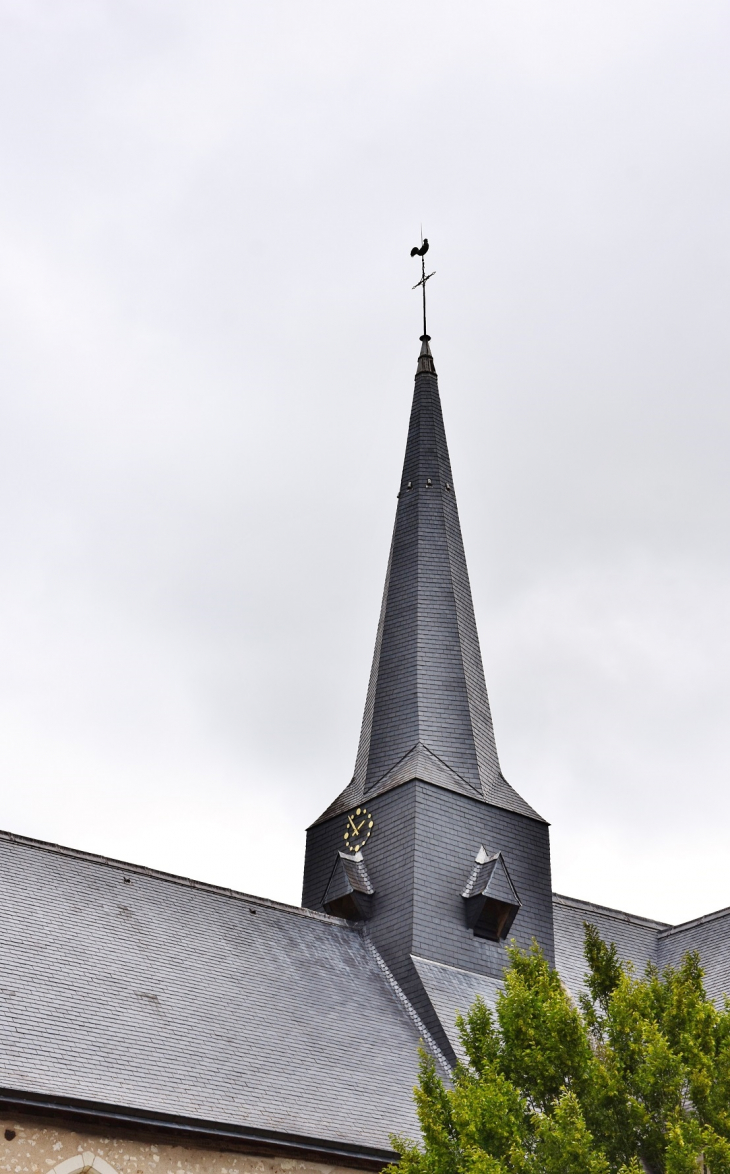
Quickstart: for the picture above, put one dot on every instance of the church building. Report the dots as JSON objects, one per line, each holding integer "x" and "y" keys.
{"x": 152, "y": 1023}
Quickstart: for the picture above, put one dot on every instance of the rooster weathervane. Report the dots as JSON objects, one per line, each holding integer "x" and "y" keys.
{"x": 416, "y": 252}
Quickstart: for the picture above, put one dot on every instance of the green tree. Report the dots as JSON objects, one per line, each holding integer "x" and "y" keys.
{"x": 633, "y": 1079}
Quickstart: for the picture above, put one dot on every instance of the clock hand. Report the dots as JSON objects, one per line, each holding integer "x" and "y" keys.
{"x": 357, "y": 829}
{"x": 354, "y": 827}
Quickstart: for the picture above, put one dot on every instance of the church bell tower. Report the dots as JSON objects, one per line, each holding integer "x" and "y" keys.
{"x": 429, "y": 846}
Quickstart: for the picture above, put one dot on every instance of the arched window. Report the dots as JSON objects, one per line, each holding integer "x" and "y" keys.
{"x": 87, "y": 1163}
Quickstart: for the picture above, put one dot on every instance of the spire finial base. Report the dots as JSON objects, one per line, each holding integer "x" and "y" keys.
{"x": 425, "y": 359}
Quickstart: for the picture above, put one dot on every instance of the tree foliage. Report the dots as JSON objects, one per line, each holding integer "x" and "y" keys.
{"x": 634, "y": 1079}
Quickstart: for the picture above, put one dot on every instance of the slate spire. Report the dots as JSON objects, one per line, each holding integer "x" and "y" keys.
{"x": 427, "y": 713}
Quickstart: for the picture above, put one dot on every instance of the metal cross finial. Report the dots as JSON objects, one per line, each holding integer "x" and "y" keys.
{"x": 416, "y": 252}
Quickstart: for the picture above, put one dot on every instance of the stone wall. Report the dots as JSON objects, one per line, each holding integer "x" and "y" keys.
{"x": 30, "y": 1147}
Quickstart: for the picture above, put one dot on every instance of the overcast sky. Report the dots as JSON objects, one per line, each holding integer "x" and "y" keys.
{"x": 208, "y": 341}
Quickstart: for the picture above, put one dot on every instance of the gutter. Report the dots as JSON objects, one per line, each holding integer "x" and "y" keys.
{"x": 171, "y": 1129}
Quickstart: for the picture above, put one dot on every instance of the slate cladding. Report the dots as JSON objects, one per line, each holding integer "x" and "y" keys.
{"x": 419, "y": 858}
{"x": 710, "y": 937}
{"x": 427, "y": 764}
{"x": 427, "y": 689}
{"x": 453, "y": 991}
{"x": 635, "y": 937}
{"x": 139, "y": 989}
{"x": 640, "y": 940}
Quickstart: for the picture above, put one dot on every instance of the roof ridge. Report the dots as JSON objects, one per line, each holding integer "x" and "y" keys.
{"x": 421, "y": 745}
{"x": 396, "y": 764}
{"x": 619, "y": 914}
{"x": 683, "y": 925}
{"x": 170, "y": 877}
{"x": 403, "y": 999}
{"x": 478, "y": 707}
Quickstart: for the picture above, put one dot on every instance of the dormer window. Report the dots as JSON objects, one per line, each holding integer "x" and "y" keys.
{"x": 349, "y": 893}
{"x": 490, "y": 899}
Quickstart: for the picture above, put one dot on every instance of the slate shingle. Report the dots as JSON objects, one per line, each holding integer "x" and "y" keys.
{"x": 710, "y": 937}
{"x": 427, "y": 707}
{"x": 163, "y": 995}
{"x": 635, "y": 937}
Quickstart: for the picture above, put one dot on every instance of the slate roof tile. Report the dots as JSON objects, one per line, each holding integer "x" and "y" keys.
{"x": 635, "y": 937}
{"x": 710, "y": 937}
{"x": 427, "y": 713}
{"x": 453, "y": 991}
{"x": 169, "y": 996}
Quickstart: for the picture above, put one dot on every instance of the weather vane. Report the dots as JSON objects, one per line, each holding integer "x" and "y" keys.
{"x": 416, "y": 252}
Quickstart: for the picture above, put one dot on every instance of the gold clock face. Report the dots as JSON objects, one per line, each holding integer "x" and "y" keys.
{"x": 358, "y": 828}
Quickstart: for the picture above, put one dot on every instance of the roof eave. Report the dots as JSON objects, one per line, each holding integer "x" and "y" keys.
{"x": 171, "y": 1128}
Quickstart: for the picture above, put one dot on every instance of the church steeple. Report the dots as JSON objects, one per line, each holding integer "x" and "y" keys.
{"x": 427, "y": 712}
{"x": 397, "y": 849}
